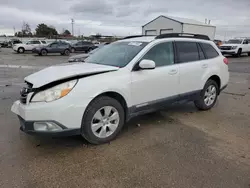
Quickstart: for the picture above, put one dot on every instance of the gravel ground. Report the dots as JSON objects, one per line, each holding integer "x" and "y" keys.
{"x": 178, "y": 147}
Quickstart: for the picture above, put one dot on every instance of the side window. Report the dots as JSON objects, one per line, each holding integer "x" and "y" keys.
{"x": 53, "y": 45}
{"x": 35, "y": 42}
{"x": 162, "y": 54}
{"x": 246, "y": 41}
{"x": 209, "y": 50}
{"x": 187, "y": 51}
{"x": 44, "y": 42}
{"x": 201, "y": 53}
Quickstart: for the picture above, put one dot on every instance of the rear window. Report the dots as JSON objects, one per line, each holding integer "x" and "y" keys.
{"x": 187, "y": 51}
{"x": 209, "y": 50}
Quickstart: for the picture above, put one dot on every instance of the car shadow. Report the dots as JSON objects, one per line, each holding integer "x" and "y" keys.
{"x": 129, "y": 128}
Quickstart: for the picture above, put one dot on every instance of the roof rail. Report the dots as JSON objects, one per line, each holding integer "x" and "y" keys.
{"x": 135, "y": 36}
{"x": 182, "y": 35}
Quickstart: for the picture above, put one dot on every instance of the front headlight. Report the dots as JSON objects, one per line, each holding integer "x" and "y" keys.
{"x": 234, "y": 47}
{"x": 55, "y": 92}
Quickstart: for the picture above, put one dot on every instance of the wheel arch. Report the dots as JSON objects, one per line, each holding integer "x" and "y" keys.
{"x": 45, "y": 49}
{"x": 20, "y": 47}
{"x": 217, "y": 79}
{"x": 115, "y": 95}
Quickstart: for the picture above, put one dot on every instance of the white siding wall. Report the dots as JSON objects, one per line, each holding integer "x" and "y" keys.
{"x": 197, "y": 29}
{"x": 162, "y": 23}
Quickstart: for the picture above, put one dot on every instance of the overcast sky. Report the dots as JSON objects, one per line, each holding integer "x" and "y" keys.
{"x": 123, "y": 17}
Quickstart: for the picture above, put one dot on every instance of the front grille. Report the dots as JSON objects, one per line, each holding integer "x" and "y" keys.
{"x": 24, "y": 92}
{"x": 225, "y": 47}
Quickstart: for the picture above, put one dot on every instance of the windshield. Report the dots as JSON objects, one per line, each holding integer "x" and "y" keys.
{"x": 235, "y": 41}
{"x": 117, "y": 54}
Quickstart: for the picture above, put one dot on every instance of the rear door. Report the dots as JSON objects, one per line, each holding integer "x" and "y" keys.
{"x": 53, "y": 47}
{"x": 30, "y": 45}
{"x": 78, "y": 46}
{"x": 85, "y": 46}
{"x": 191, "y": 69}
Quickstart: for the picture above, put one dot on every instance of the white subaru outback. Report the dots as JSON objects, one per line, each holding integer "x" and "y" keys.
{"x": 121, "y": 80}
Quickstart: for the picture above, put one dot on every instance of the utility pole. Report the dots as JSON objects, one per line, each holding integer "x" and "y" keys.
{"x": 14, "y": 30}
{"x": 72, "y": 23}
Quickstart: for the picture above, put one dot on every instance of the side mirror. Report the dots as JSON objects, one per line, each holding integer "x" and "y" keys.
{"x": 147, "y": 64}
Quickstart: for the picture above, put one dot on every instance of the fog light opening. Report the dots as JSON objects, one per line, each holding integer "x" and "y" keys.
{"x": 46, "y": 126}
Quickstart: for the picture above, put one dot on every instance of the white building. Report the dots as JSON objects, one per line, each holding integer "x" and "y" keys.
{"x": 164, "y": 24}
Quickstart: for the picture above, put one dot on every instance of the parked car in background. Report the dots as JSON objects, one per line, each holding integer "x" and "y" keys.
{"x": 4, "y": 44}
{"x": 218, "y": 42}
{"x": 22, "y": 47}
{"x": 236, "y": 47}
{"x": 83, "y": 46}
{"x": 10, "y": 43}
{"x": 119, "y": 81}
{"x": 82, "y": 57}
{"x": 61, "y": 47}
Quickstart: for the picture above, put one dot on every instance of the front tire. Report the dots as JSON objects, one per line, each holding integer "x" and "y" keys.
{"x": 103, "y": 120}
{"x": 208, "y": 96}
{"x": 20, "y": 50}
{"x": 44, "y": 52}
{"x": 239, "y": 53}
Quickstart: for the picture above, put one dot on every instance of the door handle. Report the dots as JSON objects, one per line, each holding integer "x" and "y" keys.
{"x": 172, "y": 72}
{"x": 204, "y": 66}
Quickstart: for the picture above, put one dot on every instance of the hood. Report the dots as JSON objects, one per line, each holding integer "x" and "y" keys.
{"x": 64, "y": 71}
{"x": 230, "y": 45}
{"x": 79, "y": 56}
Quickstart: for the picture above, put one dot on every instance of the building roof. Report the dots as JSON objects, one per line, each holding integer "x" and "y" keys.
{"x": 182, "y": 21}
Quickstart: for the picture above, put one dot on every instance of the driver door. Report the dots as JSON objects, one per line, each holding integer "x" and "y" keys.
{"x": 159, "y": 86}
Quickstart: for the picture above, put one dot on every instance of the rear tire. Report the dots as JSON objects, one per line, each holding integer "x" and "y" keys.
{"x": 248, "y": 53}
{"x": 73, "y": 50}
{"x": 208, "y": 96}
{"x": 66, "y": 52}
{"x": 97, "y": 124}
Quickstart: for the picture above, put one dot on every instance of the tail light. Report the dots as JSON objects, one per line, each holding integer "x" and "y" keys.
{"x": 225, "y": 60}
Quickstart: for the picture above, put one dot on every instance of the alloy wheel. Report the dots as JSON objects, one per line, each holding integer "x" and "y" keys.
{"x": 105, "y": 122}
{"x": 210, "y": 95}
